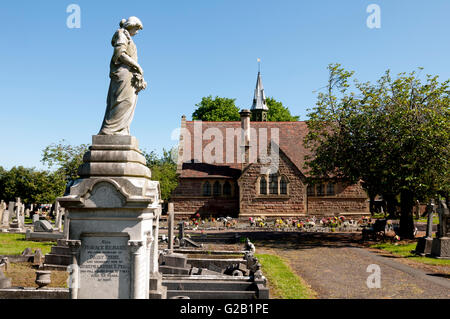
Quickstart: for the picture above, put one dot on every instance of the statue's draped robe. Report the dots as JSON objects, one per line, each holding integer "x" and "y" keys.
{"x": 122, "y": 96}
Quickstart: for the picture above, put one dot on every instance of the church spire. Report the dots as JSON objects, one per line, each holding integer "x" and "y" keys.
{"x": 259, "y": 107}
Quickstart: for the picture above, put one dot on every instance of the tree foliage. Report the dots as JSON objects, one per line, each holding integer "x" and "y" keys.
{"x": 217, "y": 109}
{"x": 279, "y": 113}
{"x": 164, "y": 170}
{"x": 394, "y": 135}
{"x": 224, "y": 109}
{"x": 32, "y": 186}
{"x": 67, "y": 158}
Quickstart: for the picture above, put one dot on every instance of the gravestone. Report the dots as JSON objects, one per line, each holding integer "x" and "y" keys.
{"x": 4, "y": 281}
{"x": 424, "y": 244}
{"x": 170, "y": 219}
{"x": 43, "y": 226}
{"x": 21, "y": 215}
{"x": 441, "y": 244}
{"x": 111, "y": 215}
{"x": 11, "y": 215}
{"x": 2, "y": 210}
{"x": 35, "y": 218}
{"x": 58, "y": 220}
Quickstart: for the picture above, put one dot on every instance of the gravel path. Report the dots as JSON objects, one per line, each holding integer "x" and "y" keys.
{"x": 337, "y": 268}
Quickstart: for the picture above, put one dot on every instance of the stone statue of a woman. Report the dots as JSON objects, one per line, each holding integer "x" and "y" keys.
{"x": 126, "y": 80}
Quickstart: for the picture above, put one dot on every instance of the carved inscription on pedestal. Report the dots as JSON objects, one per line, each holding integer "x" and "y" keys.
{"x": 105, "y": 267}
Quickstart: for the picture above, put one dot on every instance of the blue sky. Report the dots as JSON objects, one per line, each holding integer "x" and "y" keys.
{"x": 55, "y": 79}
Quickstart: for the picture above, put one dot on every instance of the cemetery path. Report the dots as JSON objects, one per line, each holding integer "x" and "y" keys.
{"x": 338, "y": 269}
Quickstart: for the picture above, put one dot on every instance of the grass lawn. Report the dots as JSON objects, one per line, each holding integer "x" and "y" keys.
{"x": 23, "y": 275}
{"x": 15, "y": 244}
{"x": 404, "y": 250}
{"x": 283, "y": 282}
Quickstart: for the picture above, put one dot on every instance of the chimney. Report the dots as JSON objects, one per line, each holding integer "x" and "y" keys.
{"x": 245, "y": 133}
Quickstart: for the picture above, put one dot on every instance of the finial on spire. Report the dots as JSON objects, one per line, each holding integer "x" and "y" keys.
{"x": 259, "y": 65}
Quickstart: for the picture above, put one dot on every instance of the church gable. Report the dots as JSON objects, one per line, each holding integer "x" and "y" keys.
{"x": 272, "y": 192}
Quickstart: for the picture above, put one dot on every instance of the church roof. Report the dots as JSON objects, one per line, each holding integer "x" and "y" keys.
{"x": 291, "y": 135}
{"x": 259, "y": 98}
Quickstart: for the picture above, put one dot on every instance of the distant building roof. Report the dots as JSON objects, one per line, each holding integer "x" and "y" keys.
{"x": 291, "y": 135}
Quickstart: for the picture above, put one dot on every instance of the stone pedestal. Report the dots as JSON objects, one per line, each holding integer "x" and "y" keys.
{"x": 112, "y": 213}
{"x": 441, "y": 248}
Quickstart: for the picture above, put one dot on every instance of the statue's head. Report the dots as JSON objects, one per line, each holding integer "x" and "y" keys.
{"x": 133, "y": 25}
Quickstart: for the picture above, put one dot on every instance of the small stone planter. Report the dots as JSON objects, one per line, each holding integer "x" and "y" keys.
{"x": 43, "y": 278}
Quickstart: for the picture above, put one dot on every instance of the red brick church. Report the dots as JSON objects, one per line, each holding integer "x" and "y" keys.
{"x": 254, "y": 167}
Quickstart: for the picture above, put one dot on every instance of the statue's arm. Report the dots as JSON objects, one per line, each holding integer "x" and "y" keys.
{"x": 119, "y": 52}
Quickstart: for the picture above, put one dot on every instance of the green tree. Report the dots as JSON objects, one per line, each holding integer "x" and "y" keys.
{"x": 67, "y": 158}
{"x": 393, "y": 136}
{"x": 217, "y": 109}
{"x": 164, "y": 170}
{"x": 224, "y": 109}
{"x": 31, "y": 185}
{"x": 279, "y": 113}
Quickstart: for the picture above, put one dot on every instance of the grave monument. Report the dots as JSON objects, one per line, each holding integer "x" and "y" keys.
{"x": 441, "y": 244}
{"x": 112, "y": 211}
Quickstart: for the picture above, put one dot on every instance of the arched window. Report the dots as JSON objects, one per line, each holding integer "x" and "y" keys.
{"x": 263, "y": 185}
{"x": 217, "y": 188}
{"x": 227, "y": 188}
{"x": 283, "y": 185}
{"x": 207, "y": 189}
{"x": 320, "y": 189}
{"x": 330, "y": 189}
{"x": 273, "y": 184}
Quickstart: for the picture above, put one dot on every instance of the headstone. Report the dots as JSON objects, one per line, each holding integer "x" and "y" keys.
{"x": 43, "y": 226}
{"x": 21, "y": 216}
{"x": 66, "y": 224}
{"x": 181, "y": 230}
{"x": 27, "y": 251}
{"x": 11, "y": 215}
{"x": 170, "y": 226}
{"x": 17, "y": 207}
{"x": 441, "y": 244}
{"x": 27, "y": 213}
{"x": 38, "y": 257}
{"x": 2, "y": 209}
{"x": 35, "y": 218}
{"x": 4, "y": 281}
{"x": 58, "y": 220}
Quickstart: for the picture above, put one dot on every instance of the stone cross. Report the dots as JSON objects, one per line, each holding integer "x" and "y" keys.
{"x": 17, "y": 207}
{"x": 170, "y": 219}
{"x": 21, "y": 215}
